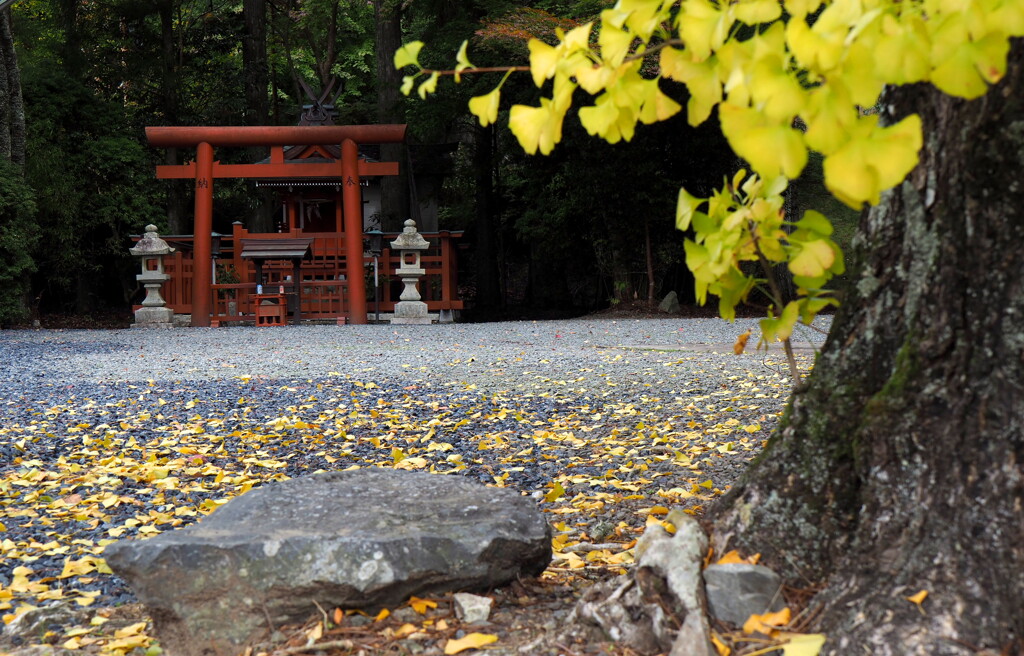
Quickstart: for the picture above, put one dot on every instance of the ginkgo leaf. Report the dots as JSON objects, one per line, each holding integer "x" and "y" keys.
{"x": 314, "y": 634}
{"x": 753, "y": 12}
{"x": 874, "y": 159}
{"x": 462, "y": 61}
{"x": 543, "y": 60}
{"x": 428, "y": 86}
{"x": 556, "y": 492}
{"x": 536, "y": 128}
{"x": 720, "y": 647}
{"x": 701, "y": 79}
{"x": 470, "y": 641}
{"x": 703, "y": 26}
{"x": 972, "y": 65}
{"x": 903, "y": 49}
{"x": 765, "y": 623}
{"x": 686, "y": 208}
{"x": 656, "y": 105}
{"x": 803, "y": 644}
{"x": 780, "y": 328}
{"x": 407, "y": 83}
{"x": 774, "y": 91}
{"x": 771, "y": 148}
{"x": 830, "y": 116}
{"x": 800, "y": 8}
{"x": 485, "y": 107}
{"x": 918, "y": 599}
{"x": 614, "y": 43}
{"x": 813, "y": 259}
{"x": 421, "y": 606}
{"x": 408, "y": 55}
{"x": 814, "y": 50}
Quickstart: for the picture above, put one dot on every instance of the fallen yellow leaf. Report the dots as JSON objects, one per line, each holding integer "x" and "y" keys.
{"x": 382, "y": 615}
{"x": 421, "y": 605}
{"x": 720, "y": 647}
{"x": 766, "y": 622}
{"x": 405, "y": 630}
{"x": 314, "y": 634}
{"x": 918, "y": 599}
{"x": 804, "y": 644}
{"x": 130, "y": 630}
{"x": 741, "y": 343}
{"x": 471, "y": 641}
{"x": 556, "y": 491}
{"x": 735, "y": 557}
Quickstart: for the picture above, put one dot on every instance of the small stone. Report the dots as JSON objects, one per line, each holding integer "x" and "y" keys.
{"x": 670, "y": 304}
{"x": 30, "y": 625}
{"x": 405, "y": 615}
{"x": 735, "y": 591}
{"x": 472, "y": 609}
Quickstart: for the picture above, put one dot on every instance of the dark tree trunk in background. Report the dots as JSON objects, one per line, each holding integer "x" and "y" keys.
{"x": 254, "y": 62}
{"x": 488, "y": 252}
{"x": 900, "y": 465}
{"x": 14, "y": 112}
{"x": 177, "y": 219}
{"x": 5, "y": 94}
{"x": 257, "y": 102}
{"x": 394, "y": 189}
{"x": 649, "y": 258}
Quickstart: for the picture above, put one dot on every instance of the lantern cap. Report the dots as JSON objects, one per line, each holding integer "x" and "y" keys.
{"x": 410, "y": 239}
{"x": 151, "y": 244}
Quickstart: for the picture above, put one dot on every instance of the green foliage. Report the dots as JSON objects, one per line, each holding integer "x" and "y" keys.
{"x": 18, "y": 236}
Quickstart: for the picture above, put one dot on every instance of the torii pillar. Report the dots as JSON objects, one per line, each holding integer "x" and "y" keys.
{"x": 204, "y": 139}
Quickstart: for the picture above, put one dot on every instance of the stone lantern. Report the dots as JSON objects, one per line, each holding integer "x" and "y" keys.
{"x": 151, "y": 250}
{"x": 410, "y": 309}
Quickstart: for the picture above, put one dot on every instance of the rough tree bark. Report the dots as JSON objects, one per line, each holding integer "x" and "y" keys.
{"x": 899, "y": 466}
{"x": 394, "y": 190}
{"x": 15, "y": 138}
{"x": 257, "y": 102}
{"x": 177, "y": 219}
{"x": 488, "y": 259}
{"x": 5, "y": 96}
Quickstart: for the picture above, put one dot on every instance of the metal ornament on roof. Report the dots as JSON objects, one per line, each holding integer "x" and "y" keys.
{"x": 320, "y": 111}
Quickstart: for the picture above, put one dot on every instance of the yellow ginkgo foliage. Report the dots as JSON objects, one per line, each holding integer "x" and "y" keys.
{"x": 786, "y": 78}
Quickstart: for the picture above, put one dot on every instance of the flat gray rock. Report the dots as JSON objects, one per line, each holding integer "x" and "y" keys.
{"x": 360, "y": 539}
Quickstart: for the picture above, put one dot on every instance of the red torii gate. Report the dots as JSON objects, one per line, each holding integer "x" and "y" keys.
{"x": 204, "y": 170}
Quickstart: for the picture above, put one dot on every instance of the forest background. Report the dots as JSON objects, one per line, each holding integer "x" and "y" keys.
{"x": 589, "y": 227}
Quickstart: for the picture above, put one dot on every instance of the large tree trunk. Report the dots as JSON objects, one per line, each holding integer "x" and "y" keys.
{"x": 898, "y": 467}
{"x": 394, "y": 190}
{"x": 5, "y": 94}
{"x": 488, "y": 259}
{"x": 177, "y": 220}
{"x": 12, "y": 145}
{"x": 257, "y": 102}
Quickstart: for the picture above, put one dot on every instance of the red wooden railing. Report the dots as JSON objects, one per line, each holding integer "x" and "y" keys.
{"x": 323, "y": 290}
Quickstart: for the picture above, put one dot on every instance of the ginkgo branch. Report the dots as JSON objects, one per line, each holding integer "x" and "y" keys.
{"x": 476, "y": 69}
{"x": 787, "y": 345}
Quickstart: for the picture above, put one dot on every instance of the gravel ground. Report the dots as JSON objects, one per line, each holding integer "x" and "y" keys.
{"x": 530, "y": 348}
{"x": 624, "y": 413}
